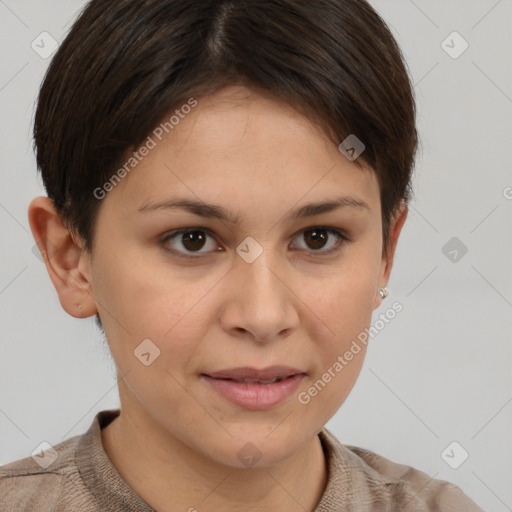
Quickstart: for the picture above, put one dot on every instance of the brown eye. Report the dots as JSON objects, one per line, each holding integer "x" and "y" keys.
{"x": 318, "y": 238}
{"x": 186, "y": 242}
{"x": 193, "y": 240}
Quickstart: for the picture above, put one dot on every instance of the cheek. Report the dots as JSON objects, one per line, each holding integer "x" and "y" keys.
{"x": 142, "y": 298}
{"x": 348, "y": 316}
{"x": 340, "y": 356}
{"x": 343, "y": 299}
{"x": 343, "y": 307}
{"x": 139, "y": 302}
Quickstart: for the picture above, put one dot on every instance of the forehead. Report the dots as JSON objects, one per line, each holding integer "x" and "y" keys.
{"x": 248, "y": 148}
{"x": 236, "y": 117}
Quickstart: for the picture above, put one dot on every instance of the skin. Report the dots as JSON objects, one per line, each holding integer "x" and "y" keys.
{"x": 176, "y": 440}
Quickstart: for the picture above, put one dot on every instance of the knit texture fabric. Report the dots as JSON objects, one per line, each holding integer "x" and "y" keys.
{"x": 83, "y": 479}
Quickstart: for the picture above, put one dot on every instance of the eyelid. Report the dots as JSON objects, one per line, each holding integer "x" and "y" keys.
{"x": 341, "y": 234}
{"x": 342, "y": 240}
{"x": 181, "y": 231}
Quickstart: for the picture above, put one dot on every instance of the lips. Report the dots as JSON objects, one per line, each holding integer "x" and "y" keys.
{"x": 254, "y": 389}
{"x": 264, "y": 376}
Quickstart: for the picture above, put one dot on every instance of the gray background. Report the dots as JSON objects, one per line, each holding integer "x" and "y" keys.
{"x": 438, "y": 373}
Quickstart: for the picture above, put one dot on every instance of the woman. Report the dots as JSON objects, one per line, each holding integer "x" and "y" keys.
{"x": 227, "y": 182}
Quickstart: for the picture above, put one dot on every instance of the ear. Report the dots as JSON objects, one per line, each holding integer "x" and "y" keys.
{"x": 395, "y": 228}
{"x": 67, "y": 264}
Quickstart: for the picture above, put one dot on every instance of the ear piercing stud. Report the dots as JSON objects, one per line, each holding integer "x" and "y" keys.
{"x": 383, "y": 292}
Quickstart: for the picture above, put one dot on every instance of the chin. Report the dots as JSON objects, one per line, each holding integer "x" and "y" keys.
{"x": 257, "y": 448}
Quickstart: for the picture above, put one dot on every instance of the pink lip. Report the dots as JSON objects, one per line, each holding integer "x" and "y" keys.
{"x": 255, "y": 396}
{"x": 247, "y": 372}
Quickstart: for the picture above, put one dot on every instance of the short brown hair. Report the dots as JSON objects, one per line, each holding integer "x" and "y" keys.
{"x": 126, "y": 64}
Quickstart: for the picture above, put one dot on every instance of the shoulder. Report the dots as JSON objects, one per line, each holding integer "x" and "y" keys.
{"x": 418, "y": 487}
{"x": 393, "y": 486}
{"x": 48, "y": 480}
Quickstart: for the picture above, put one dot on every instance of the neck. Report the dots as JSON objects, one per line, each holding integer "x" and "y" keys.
{"x": 170, "y": 476}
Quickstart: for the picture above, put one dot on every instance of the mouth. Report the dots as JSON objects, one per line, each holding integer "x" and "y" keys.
{"x": 255, "y": 389}
{"x": 259, "y": 381}
{"x": 265, "y": 375}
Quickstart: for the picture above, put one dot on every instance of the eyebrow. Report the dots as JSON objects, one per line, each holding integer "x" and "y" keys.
{"x": 218, "y": 212}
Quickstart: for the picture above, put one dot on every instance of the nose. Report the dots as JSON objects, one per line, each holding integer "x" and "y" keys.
{"x": 261, "y": 304}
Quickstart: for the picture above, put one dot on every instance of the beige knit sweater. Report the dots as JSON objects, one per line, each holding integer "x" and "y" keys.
{"x": 83, "y": 479}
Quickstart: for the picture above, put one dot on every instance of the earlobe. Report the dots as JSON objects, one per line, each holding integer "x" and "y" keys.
{"x": 62, "y": 257}
{"x": 381, "y": 295}
{"x": 396, "y": 226}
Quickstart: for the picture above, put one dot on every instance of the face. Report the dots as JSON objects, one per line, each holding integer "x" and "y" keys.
{"x": 260, "y": 287}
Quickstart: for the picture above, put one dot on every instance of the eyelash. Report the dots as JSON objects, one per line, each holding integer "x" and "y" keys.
{"x": 342, "y": 239}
